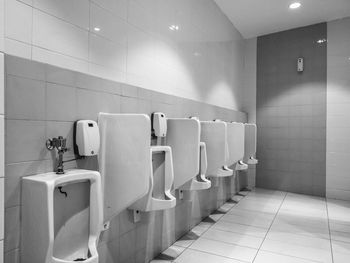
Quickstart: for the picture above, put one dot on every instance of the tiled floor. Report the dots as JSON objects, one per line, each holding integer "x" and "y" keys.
{"x": 265, "y": 226}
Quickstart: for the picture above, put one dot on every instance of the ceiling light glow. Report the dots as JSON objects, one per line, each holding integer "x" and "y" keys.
{"x": 174, "y": 27}
{"x": 295, "y": 5}
{"x": 321, "y": 41}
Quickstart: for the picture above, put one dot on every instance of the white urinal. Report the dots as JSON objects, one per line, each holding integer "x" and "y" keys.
{"x": 214, "y": 135}
{"x": 61, "y": 217}
{"x": 250, "y": 143}
{"x": 189, "y": 156}
{"x": 235, "y": 139}
{"x": 159, "y": 195}
{"x": 200, "y": 182}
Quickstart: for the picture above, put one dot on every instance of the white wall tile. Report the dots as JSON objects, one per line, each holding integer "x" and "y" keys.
{"x": 338, "y": 110}
{"x": 60, "y": 60}
{"x": 117, "y": 7}
{"x": 56, "y": 35}
{"x": 2, "y": 211}
{"x": 17, "y": 48}
{"x": 111, "y": 26}
{"x": 75, "y": 12}
{"x": 2, "y": 25}
{"x": 107, "y": 53}
{"x": 18, "y": 21}
{"x": 2, "y": 84}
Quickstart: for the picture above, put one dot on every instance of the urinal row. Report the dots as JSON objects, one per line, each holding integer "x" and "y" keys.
{"x": 133, "y": 174}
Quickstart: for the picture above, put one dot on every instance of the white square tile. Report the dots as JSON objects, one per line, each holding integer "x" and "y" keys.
{"x": 65, "y": 111}
{"x": 56, "y": 35}
{"x": 316, "y": 254}
{"x": 2, "y": 251}
{"x": 109, "y": 25}
{"x": 240, "y": 229}
{"x": 2, "y": 84}
{"x": 268, "y": 257}
{"x": 118, "y": 8}
{"x": 57, "y": 59}
{"x": 2, "y": 26}
{"x": 233, "y": 238}
{"x": 18, "y": 21}
{"x": 17, "y": 48}
{"x": 340, "y": 257}
{"x": 193, "y": 256}
{"x": 225, "y": 249}
{"x": 25, "y": 98}
{"x": 75, "y": 12}
{"x": 107, "y": 53}
{"x": 2, "y": 211}
{"x": 249, "y": 218}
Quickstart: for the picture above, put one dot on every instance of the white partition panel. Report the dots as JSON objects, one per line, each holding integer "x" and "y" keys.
{"x": 214, "y": 135}
{"x": 124, "y": 159}
{"x": 235, "y": 141}
{"x": 183, "y": 137}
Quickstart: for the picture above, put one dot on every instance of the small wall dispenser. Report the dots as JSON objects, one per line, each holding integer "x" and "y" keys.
{"x": 189, "y": 154}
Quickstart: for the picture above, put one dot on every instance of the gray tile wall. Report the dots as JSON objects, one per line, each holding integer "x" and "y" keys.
{"x": 291, "y": 110}
{"x": 43, "y": 101}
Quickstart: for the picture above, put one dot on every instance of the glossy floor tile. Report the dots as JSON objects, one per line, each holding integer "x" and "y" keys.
{"x": 266, "y": 226}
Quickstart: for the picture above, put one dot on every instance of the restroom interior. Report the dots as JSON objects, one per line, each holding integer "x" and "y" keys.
{"x": 218, "y": 61}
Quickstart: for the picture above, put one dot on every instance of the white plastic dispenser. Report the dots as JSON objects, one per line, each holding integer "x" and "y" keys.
{"x": 159, "y": 124}
{"x": 87, "y": 138}
{"x": 189, "y": 157}
{"x": 61, "y": 217}
{"x": 250, "y": 143}
{"x": 214, "y": 135}
{"x": 124, "y": 160}
{"x": 236, "y": 143}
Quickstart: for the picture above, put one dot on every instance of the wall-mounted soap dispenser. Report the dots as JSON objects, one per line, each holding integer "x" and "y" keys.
{"x": 87, "y": 138}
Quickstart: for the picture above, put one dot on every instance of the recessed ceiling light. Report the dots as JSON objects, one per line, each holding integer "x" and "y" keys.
{"x": 174, "y": 27}
{"x": 295, "y": 5}
{"x": 97, "y": 29}
{"x": 320, "y": 41}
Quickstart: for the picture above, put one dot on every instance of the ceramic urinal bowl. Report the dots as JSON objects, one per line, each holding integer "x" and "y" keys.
{"x": 250, "y": 143}
{"x": 61, "y": 217}
{"x": 189, "y": 155}
{"x": 214, "y": 135}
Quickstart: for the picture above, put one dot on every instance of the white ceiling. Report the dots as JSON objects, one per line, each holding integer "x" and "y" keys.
{"x": 260, "y": 17}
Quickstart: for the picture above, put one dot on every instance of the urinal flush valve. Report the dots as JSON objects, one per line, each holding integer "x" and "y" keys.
{"x": 60, "y": 144}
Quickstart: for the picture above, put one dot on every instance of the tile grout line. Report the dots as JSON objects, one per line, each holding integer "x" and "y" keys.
{"x": 174, "y": 261}
{"x": 270, "y": 226}
{"x": 329, "y": 231}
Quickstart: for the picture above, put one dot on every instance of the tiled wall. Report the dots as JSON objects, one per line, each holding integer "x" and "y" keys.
{"x": 291, "y": 110}
{"x": 2, "y": 154}
{"x": 203, "y": 60}
{"x": 249, "y": 93}
{"x": 338, "y": 109}
{"x": 43, "y": 101}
